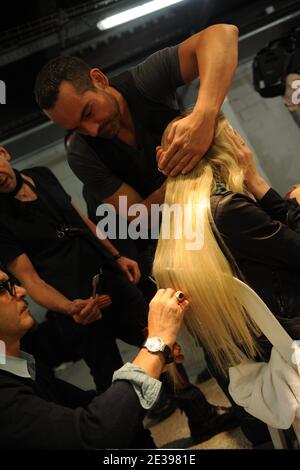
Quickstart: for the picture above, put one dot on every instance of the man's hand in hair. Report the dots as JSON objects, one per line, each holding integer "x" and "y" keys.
{"x": 188, "y": 141}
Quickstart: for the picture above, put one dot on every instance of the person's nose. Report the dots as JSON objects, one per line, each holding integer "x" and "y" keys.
{"x": 20, "y": 292}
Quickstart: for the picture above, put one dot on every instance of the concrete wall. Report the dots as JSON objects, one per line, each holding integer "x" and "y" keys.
{"x": 270, "y": 128}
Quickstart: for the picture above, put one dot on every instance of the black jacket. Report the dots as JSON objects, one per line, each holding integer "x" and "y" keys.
{"x": 49, "y": 413}
{"x": 264, "y": 239}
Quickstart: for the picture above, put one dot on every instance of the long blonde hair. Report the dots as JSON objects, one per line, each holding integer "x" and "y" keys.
{"x": 215, "y": 317}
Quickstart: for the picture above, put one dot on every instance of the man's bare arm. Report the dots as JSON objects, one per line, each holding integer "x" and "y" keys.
{"x": 41, "y": 292}
{"x": 157, "y": 197}
{"x": 129, "y": 266}
{"x": 50, "y": 298}
{"x": 211, "y": 55}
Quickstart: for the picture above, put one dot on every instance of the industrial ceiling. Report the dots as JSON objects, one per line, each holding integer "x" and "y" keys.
{"x": 35, "y": 31}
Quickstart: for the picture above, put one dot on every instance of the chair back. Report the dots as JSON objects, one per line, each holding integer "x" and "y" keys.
{"x": 278, "y": 337}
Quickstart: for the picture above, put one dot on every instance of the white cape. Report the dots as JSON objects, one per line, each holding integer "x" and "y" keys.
{"x": 269, "y": 391}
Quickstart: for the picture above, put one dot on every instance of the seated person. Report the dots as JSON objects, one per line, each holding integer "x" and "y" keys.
{"x": 39, "y": 411}
{"x": 247, "y": 230}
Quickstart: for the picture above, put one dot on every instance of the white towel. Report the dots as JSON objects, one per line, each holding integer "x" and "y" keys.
{"x": 269, "y": 391}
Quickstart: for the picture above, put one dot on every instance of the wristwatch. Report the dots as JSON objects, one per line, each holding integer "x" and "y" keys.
{"x": 156, "y": 345}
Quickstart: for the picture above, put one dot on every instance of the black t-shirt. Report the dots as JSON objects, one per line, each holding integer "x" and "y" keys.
{"x": 154, "y": 83}
{"x": 67, "y": 263}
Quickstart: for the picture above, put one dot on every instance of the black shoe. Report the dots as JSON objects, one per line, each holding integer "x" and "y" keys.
{"x": 255, "y": 430}
{"x": 223, "y": 419}
{"x": 205, "y": 420}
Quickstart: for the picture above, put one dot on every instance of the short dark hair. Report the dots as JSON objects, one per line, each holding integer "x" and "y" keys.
{"x": 50, "y": 77}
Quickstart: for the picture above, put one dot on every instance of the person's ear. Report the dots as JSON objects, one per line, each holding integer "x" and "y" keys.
{"x": 4, "y": 153}
{"x": 98, "y": 78}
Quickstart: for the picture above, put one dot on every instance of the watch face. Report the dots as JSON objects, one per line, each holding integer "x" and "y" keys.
{"x": 154, "y": 344}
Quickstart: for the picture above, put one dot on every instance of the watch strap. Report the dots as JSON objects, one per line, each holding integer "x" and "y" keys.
{"x": 166, "y": 351}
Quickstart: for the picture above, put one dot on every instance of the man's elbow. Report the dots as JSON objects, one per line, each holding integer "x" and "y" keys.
{"x": 233, "y": 30}
{"x": 229, "y": 29}
{"x": 229, "y": 36}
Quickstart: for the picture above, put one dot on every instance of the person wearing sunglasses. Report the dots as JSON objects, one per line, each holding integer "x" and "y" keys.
{"x": 39, "y": 411}
{"x": 15, "y": 316}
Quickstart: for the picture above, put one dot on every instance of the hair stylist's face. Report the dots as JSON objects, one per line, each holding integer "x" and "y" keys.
{"x": 95, "y": 112}
{"x": 7, "y": 175}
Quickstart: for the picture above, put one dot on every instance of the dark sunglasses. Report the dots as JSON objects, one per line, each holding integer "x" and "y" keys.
{"x": 8, "y": 286}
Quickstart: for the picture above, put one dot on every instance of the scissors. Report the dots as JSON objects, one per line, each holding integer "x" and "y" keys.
{"x": 96, "y": 280}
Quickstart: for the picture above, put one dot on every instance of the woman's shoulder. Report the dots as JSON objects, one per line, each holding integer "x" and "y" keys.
{"x": 236, "y": 211}
{"x": 229, "y": 200}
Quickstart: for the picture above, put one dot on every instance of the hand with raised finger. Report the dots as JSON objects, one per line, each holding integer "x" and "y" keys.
{"x": 254, "y": 182}
{"x": 243, "y": 153}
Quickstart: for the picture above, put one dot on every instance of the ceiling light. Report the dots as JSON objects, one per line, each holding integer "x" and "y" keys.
{"x": 133, "y": 13}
